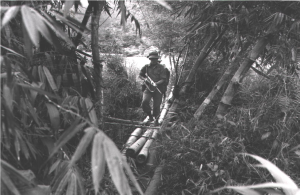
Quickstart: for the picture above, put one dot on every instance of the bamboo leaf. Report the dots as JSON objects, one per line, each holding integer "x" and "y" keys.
{"x": 54, "y": 166}
{"x": 63, "y": 183}
{"x": 54, "y": 116}
{"x": 67, "y": 22}
{"x": 98, "y": 160}
{"x": 40, "y": 91}
{"x": 67, "y": 135}
{"x": 278, "y": 175}
{"x": 58, "y": 81}
{"x": 131, "y": 176}
{"x": 32, "y": 112}
{"x": 41, "y": 26}
{"x": 265, "y": 135}
{"x": 244, "y": 190}
{"x": 9, "y": 184}
{"x": 84, "y": 143}
{"x": 164, "y": 3}
{"x": 29, "y": 22}
{"x": 42, "y": 75}
{"x": 91, "y": 111}
{"x": 9, "y": 14}
{"x": 17, "y": 147}
{"x": 50, "y": 79}
{"x": 27, "y": 42}
{"x": 7, "y": 94}
{"x": 83, "y": 106}
{"x": 34, "y": 93}
{"x": 57, "y": 29}
{"x": 113, "y": 159}
{"x": 72, "y": 186}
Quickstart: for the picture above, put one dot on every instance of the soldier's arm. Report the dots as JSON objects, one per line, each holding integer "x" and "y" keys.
{"x": 163, "y": 77}
{"x": 142, "y": 74}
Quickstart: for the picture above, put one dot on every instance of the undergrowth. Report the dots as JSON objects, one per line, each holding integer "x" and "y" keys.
{"x": 264, "y": 121}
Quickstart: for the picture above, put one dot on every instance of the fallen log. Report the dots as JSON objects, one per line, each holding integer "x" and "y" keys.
{"x": 155, "y": 181}
{"x": 143, "y": 155}
{"x": 134, "y": 148}
{"x": 133, "y": 137}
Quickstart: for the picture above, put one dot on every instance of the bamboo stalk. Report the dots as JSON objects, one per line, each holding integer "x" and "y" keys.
{"x": 134, "y": 148}
{"x": 229, "y": 72}
{"x": 133, "y": 137}
{"x": 170, "y": 115}
{"x": 123, "y": 120}
{"x": 167, "y": 105}
{"x": 152, "y": 156}
{"x": 143, "y": 155}
{"x": 132, "y": 125}
{"x": 233, "y": 86}
{"x": 203, "y": 54}
{"x": 155, "y": 181}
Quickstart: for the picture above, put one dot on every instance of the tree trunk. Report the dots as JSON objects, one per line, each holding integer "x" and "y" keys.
{"x": 84, "y": 22}
{"x": 232, "y": 88}
{"x": 203, "y": 54}
{"x": 98, "y": 65}
{"x": 231, "y": 69}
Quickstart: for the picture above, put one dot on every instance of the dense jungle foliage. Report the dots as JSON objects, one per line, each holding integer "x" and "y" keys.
{"x": 235, "y": 67}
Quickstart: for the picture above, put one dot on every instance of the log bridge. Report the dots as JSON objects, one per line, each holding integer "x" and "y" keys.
{"x": 144, "y": 145}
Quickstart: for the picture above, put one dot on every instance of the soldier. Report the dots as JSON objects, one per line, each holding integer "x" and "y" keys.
{"x": 154, "y": 77}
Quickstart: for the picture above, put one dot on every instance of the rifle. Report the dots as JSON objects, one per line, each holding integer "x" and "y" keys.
{"x": 152, "y": 83}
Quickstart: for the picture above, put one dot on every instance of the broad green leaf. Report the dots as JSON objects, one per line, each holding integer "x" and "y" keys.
{"x": 113, "y": 159}
{"x": 98, "y": 160}
{"x": 9, "y": 184}
{"x": 41, "y": 26}
{"x": 12, "y": 51}
{"x": 30, "y": 25}
{"x": 54, "y": 116}
{"x": 164, "y": 3}
{"x": 42, "y": 75}
{"x": 131, "y": 176}
{"x": 278, "y": 175}
{"x": 84, "y": 143}
{"x": 17, "y": 147}
{"x": 40, "y": 91}
{"x": 9, "y": 14}
{"x": 67, "y": 22}
{"x": 244, "y": 190}
{"x": 58, "y": 81}
{"x": 54, "y": 166}
{"x": 28, "y": 44}
{"x": 34, "y": 93}
{"x": 32, "y": 112}
{"x": 72, "y": 186}
{"x": 67, "y": 7}
{"x": 57, "y": 29}
{"x": 79, "y": 182}
{"x": 91, "y": 111}
{"x": 50, "y": 79}
{"x": 63, "y": 183}
{"x": 67, "y": 135}
{"x": 83, "y": 106}
{"x": 7, "y": 94}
